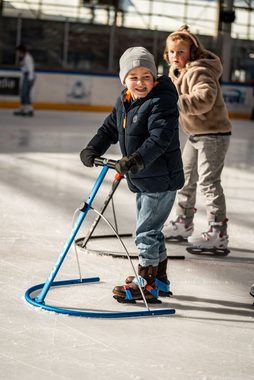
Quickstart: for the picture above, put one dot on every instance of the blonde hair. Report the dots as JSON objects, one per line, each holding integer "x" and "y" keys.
{"x": 183, "y": 34}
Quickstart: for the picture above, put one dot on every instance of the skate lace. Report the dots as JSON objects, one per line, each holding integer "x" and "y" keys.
{"x": 141, "y": 281}
{"x": 174, "y": 226}
{"x": 206, "y": 235}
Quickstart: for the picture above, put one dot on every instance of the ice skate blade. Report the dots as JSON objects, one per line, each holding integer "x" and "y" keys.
{"x": 154, "y": 300}
{"x": 208, "y": 251}
{"x": 123, "y": 300}
{"x": 176, "y": 239}
{"x": 165, "y": 294}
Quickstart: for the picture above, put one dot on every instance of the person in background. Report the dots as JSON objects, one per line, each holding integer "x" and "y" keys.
{"x": 145, "y": 122}
{"x": 26, "y": 81}
{"x": 196, "y": 72}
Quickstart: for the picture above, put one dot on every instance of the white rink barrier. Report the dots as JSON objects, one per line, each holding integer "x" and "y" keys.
{"x": 75, "y": 90}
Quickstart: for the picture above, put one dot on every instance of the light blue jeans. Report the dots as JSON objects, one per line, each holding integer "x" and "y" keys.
{"x": 153, "y": 210}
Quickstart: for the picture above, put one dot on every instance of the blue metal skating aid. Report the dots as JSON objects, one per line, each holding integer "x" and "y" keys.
{"x": 39, "y": 300}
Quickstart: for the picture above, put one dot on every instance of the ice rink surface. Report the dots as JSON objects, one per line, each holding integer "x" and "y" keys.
{"x": 42, "y": 183}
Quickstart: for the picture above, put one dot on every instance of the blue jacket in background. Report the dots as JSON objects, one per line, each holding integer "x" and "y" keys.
{"x": 149, "y": 127}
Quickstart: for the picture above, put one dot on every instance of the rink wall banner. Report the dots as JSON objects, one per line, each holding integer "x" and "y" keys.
{"x": 239, "y": 99}
{"x": 9, "y": 85}
{"x": 63, "y": 90}
{"x": 73, "y": 90}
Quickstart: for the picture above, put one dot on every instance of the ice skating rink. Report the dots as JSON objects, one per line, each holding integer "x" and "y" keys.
{"x": 42, "y": 183}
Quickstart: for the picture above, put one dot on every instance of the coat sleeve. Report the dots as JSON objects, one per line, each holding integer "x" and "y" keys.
{"x": 107, "y": 134}
{"x": 202, "y": 93}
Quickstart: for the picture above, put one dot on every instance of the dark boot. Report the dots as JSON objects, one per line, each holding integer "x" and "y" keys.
{"x": 161, "y": 280}
{"x": 130, "y": 292}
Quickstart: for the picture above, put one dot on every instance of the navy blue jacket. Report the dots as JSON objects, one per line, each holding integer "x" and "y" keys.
{"x": 149, "y": 127}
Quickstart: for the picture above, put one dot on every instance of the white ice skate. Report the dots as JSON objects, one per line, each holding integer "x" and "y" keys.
{"x": 213, "y": 241}
{"x": 177, "y": 230}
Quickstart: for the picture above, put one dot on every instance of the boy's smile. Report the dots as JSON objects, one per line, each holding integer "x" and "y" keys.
{"x": 139, "y": 82}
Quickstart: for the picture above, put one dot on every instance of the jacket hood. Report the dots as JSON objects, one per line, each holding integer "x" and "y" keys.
{"x": 164, "y": 86}
{"x": 211, "y": 62}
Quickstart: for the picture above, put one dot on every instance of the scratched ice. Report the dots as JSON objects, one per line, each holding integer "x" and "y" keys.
{"x": 42, "y": 184}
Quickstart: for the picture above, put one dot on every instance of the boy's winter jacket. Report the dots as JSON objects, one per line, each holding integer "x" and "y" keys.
{"x": 149, "y": 127}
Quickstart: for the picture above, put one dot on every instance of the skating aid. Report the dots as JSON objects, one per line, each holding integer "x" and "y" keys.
{"x": 39, "y": 301}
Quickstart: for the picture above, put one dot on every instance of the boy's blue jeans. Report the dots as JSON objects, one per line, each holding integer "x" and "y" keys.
{"x": 153, "y": 210}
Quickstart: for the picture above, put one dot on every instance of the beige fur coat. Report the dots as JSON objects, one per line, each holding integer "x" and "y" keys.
{"x": 201, "y": 105}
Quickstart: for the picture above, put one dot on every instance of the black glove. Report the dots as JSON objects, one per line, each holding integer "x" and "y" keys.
{"x": 88, "y": 155}
{"x": 131, "y": 164}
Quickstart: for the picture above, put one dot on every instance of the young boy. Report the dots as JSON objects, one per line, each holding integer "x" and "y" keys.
{"x": 145, "y": 122}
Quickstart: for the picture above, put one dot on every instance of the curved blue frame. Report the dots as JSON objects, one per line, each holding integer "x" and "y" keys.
{"x": 39, "y": 300}
{"x": 89, "y": 314}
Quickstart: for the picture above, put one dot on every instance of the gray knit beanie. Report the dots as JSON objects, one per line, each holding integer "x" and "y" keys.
{"x": 136, "y": 57}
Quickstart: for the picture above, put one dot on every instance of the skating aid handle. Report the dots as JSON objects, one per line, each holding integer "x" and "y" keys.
{"x": 102, "y": 161}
